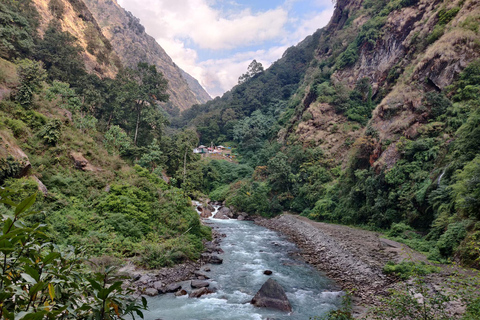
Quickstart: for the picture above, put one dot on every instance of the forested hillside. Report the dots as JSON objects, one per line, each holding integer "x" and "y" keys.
{"x": 92, "y": 147}
{"x": 371, "y": 121}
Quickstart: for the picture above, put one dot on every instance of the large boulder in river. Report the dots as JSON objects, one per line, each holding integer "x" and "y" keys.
{"x": 223, "y": 213}
{"x": 206, "y": 213}
{"x": 272, "y": 295}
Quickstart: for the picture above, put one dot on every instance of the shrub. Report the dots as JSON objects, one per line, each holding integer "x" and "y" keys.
{"x": 436, "y": 34}
{"x": 50, "y": 133}
{"x": 408, "y": 269}
{"x": 18, "y": 127}
{"x": 444, "y": 16}
{"x": 449, "y": 241}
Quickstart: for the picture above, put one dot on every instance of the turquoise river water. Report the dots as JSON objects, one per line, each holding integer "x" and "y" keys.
{"x": 248, "y": 251}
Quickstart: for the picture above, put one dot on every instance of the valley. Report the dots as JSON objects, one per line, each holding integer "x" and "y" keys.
{"x": 351, "y": 166}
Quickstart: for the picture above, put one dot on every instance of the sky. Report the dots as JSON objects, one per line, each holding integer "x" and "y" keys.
{"x": 215, "y": 40}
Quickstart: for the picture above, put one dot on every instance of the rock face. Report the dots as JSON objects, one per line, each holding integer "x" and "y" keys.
{"x": 272, "y": 295}
{"x": 80, "y": 162}
{"x": 79, "y": 21}
{"x": 133, "y": 45}
{"x": 12, "y": 157}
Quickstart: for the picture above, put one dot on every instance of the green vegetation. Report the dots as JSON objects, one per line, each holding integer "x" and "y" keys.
{"x": 41, "y": 281}
{"x": 406, "y": 269}
{"x": 117, "y": 205}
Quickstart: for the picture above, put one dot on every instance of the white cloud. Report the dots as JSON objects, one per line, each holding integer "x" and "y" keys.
{"x": 220, "y": 75}
{"x": 186, "y": 27}
{"x": 206, "y": 27}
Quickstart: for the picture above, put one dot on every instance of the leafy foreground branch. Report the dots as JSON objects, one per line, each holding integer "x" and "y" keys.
{"x": 41, "y": 281}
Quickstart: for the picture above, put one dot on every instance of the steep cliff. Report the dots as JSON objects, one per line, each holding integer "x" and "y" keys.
{"x": 133, "y": 45}
{"x": 74, "y": 17}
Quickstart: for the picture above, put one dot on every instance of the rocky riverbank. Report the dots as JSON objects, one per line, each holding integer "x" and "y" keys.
{"x": 166, "y": 280}
{"x": 353, "y": 258}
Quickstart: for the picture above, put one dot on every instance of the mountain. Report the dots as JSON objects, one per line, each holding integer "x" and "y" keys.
{"x": 74, "y": 17}
{"x": 372, "y": 120}
{"x": 134, "y": 45}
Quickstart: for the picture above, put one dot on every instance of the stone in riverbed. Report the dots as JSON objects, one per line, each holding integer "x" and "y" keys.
{"x": 272, "y": 295}
{"x": 215, "y": 260}
{"x": 200, "y": 292}
{"x": 151, "y": 292}
{"x": 180, "y": 293}
{"x": 174, "y": 287}
{"x": 199, "y": 284}
{"x": 201, "y": 275}
{"x": 267, "y": 272}
{"x": 158, "y": 285}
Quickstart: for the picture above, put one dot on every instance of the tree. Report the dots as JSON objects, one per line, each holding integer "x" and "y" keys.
{"x": 31, "y": 75}
{"x": 254, "y": 68}
{"x": 16, "y": 32}
{"x": 62, "y": 56}
{"x": 143, "y": 88}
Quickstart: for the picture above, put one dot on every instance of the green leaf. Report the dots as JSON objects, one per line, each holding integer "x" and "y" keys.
{"x": 37, "y": 287}
{"x": 117, "y": 285}
{"x": 95, "y": 284}
{"x": 25, "y": 204}
{"x": 7, "y": 225}
{"x": 28, "y": 278}
{"x": 32, "y": 272}
{"x": 50, "y": 257}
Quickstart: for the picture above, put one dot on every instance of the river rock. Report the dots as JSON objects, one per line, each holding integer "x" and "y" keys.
{"x": 215, "y": 260}
{"x": 174, "y": 287}
{"x": 272, "y": 295}
{"x": 199, "y": 284}
{"x": 180, "y": 293}
{"x": 268, "y": 272}
{"x": 144, "y": 279}
{"x": 222, "y": 213}
{"x": 201, "y": 275}
{"x": 207, "y": 258}
{"x": 151, "y": 292}
{"x": 200, "y": 292}
{"x": 206, "y": 213}
{"x": 158, "y": 285}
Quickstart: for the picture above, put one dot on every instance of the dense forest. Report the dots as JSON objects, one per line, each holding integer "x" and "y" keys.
{"x": 427, "y": 196}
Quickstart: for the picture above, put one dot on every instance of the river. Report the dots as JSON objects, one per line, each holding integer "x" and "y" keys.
{"x": 249, "y": 250}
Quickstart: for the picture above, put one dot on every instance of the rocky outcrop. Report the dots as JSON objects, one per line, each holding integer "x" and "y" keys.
{"x": 76, "y": 19}
{"x": 80, "y": 163}
{"x": 133, "y": 45}
{"x": 41, "y": 187}
{"x": 13, "y": 161}
{"x": 272, "y": 295}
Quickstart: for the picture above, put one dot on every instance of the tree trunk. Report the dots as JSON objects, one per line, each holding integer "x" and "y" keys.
{"x": 185, "y": 165}
{"x": 139, "y": 110}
